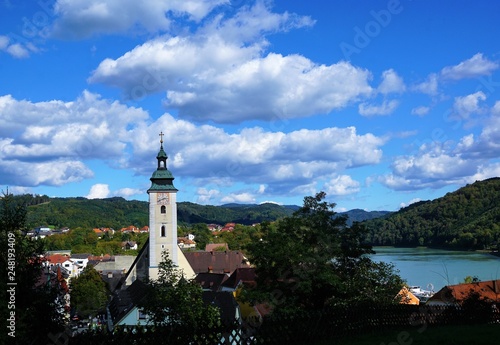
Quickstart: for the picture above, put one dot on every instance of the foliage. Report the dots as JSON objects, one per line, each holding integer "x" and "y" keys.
{"x": 89, "y": 213}
{"x": 311, "y": 260}
{"x": 89, "y": 293}
{"x": 32, "y": 298}
{"x": 468, "y": 218}
{"x": 175, "y": 300}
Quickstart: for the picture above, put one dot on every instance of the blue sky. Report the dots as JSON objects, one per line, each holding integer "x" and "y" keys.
{"x": 377, "y": 103}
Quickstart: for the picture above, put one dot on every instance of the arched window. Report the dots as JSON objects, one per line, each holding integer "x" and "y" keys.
{"x": 163, "y": 209}
{"x": 162, "y": 233}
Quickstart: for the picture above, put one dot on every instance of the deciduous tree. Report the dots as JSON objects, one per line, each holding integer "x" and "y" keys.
{"x": 312, "y": 260}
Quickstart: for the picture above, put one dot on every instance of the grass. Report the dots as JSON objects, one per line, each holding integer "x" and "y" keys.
{"x": 443, "y": 335}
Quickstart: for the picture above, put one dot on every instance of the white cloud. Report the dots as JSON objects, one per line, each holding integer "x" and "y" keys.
{"x": 342, "y": 185}
{"x": 51, "y": 173}
{"x": 420, "y": 111}
{"x": 98, "y": 191}
{"x": 241, "y": 198}
{"x": 127, "y": 192}
{"x": 391, "y": 83}
{"x": 205, "y": 74}
{"x": 17, "y": 50}
{"x": 429, "y": 87}
{"x": 463, "y": 107}
{"x": 386, "y": 108}
{"x": 412, "y": 201}
{"x": 282, "y": 161}
{"x": 83, "y": 18}
{"x": 206, "y": 196}
{"x": 434, "y": 166}
{"x": 474, "y": 67}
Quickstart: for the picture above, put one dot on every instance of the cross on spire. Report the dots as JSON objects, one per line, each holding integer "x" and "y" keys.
{"x": 161, "y": 137}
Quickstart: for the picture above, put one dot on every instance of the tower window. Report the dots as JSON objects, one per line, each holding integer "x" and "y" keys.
{"x": 163, "y": 209}
{"x": 162, "y": 232}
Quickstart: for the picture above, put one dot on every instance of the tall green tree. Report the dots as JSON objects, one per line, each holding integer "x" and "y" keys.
{"x": 173, "y": 300}
{"x": 89, "y": 293}
{"x": 311, "y": 260}
{"x": 29, "y": 296}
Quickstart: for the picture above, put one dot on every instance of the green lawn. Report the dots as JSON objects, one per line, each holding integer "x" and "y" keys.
{"x": 444, "y": 335}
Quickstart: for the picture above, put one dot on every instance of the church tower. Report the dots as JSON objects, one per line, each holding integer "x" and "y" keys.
{"x": 162, "y": 215}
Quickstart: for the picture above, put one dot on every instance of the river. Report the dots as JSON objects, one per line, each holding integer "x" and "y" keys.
{"x": 435, "y": 268}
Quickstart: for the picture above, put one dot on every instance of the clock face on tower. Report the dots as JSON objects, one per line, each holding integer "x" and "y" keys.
{"x": 162, "y": 199}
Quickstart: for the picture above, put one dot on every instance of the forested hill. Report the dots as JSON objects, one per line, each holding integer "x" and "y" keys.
{"x": 467, "y": 218}
{"x": 117, "y": 212}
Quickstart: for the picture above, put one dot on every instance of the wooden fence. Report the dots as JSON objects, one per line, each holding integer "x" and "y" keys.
{"x": 303, "y": 328}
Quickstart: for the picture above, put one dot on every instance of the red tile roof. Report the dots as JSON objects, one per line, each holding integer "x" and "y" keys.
{"x": 488, "y": 290}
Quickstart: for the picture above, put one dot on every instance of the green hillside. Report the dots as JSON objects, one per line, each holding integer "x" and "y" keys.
{"x": 118, "y": 212}
{"x": 467, "y": 218}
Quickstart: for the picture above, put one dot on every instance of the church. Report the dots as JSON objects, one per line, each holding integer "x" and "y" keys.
{"x": 162, "y": 238}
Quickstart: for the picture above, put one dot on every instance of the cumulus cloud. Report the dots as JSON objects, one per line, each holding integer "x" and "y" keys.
{"x": 342, "y": 185}
{"x": 206, "y": 196}
{"x": 284, "y": 162}
{"x": 203, "y": 75}
{"x": 98, "y": 191}
{"x": 386, "y": 108}
{"x": 474, "y": 67}
{"x": 47, "y": 142}
{"x": 84, "y": 18}
{"x": 463, "y": 107}
{"x": 429, "y": 87}
{"x": 391, "y": 83}
{"x": 17, "y": 50}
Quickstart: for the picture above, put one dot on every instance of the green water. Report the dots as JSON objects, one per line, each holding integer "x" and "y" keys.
{"x": 424, "y": 266}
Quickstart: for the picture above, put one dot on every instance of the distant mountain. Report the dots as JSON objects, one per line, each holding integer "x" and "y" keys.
{"x": 246, "y": 214}
{"x": 358, "y": 215}
{"x": 468, "y": 218}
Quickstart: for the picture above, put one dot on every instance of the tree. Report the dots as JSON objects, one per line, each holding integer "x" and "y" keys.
{"x": 89, "y": 293}
{"x": 30, "y": 296}
{"x": 174, "y": 301}
{"x": 311, "y": 260}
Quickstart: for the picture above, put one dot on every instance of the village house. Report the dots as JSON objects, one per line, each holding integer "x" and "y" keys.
{"x": 129, "y": 245}
{"x": 488, "y": 291}
{"x": 186, "y": 243}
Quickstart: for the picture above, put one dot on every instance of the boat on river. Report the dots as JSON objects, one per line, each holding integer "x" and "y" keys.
{"x": 421, "y": 294}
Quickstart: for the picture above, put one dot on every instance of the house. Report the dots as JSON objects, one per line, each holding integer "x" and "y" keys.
{"x": 61, "y": 261}
{"x": 214, "y": 227}
{"x": 123, "y": 309}
{"x": 129, "y": 245}
{"x": 228, "y": 227}
{"x": 240, "y": 279}
{"x": 186, "y": 243}
{"x": 456, "y": 294}
{"x": 128, "y": 229}
{"x": 215, "y": 261}
{"x": 144, "y": 229}
{"x": 405, "y": 296}
{"x": 211, "y": 281}
{"x": 98, "y": 232}
{"x": 81, "y": 260}
{"x": 210, "y": 247}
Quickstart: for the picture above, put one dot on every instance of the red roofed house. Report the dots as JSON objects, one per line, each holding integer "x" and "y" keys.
{"x": 456, "y": 294}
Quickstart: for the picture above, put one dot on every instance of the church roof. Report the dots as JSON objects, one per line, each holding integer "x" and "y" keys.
{"x": 162, "y": 179}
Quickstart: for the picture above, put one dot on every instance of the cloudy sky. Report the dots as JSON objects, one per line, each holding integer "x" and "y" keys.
{"x": 377, "y": 103}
